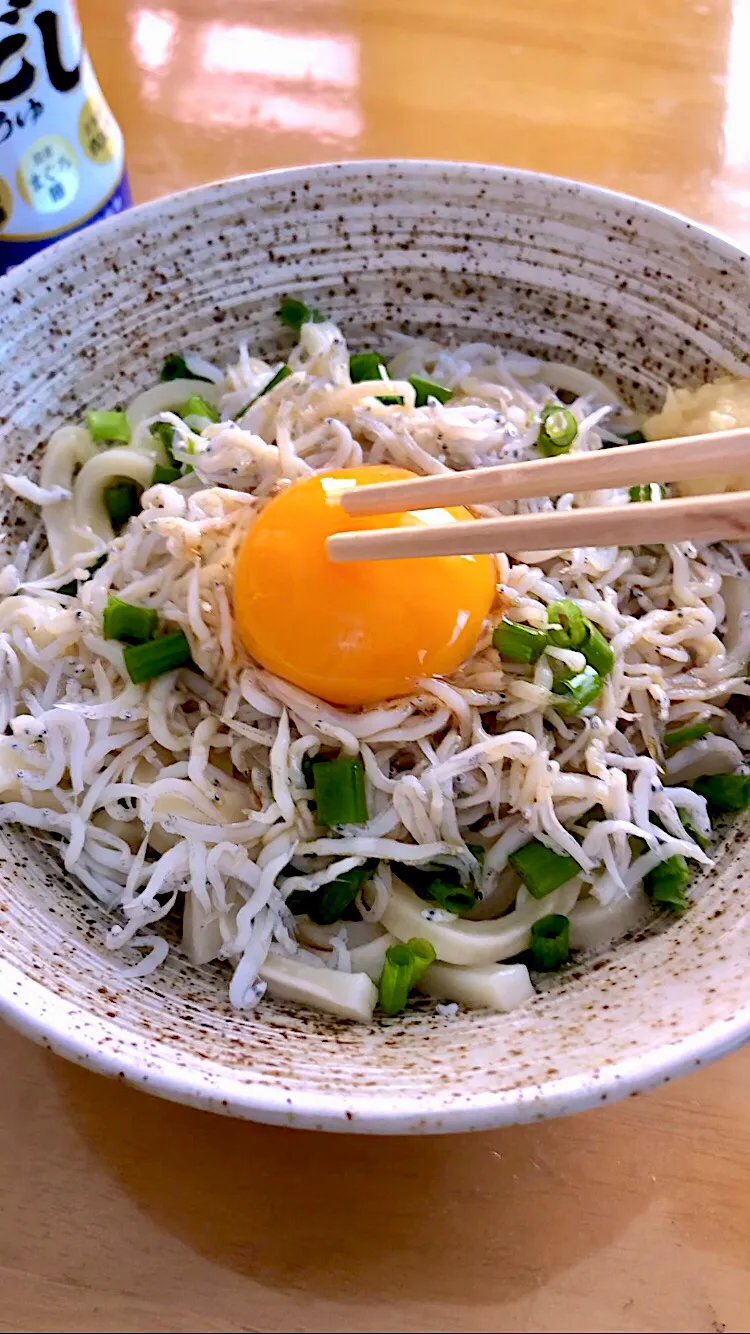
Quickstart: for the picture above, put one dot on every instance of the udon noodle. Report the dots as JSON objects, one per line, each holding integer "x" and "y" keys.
{"x": 192, "y": 791}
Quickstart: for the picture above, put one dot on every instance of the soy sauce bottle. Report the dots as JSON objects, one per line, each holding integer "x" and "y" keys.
{"x": 61, "y": 149}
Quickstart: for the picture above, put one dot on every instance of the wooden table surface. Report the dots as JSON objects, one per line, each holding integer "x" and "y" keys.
{"x": 120, "y": 1212}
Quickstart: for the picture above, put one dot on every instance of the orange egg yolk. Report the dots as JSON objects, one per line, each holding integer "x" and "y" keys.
{"x": 359, "y": 632}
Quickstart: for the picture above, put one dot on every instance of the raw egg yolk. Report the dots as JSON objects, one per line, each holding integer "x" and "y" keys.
{"x": 359, "y": 632}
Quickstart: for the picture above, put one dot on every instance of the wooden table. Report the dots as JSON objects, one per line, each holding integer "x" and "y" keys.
{"x": 120, "y": 1212}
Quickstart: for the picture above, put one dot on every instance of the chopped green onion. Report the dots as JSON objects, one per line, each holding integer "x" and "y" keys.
{"x": 652, "y": 491}
{"x": 307, "y": 770}
{"x": 426, "y": 389}
{"x": 666, "y": 884}
{"x": 128, "y": 623}
{"x": 329, "y": 903}
{"x": 146, "y": 661}
{"x": 108, "y": 426}
{"x": 438, "y": 884}
{"x": 282, "y": 374}
{"x": 197, "y": 406}
{"x": 366, "y": 366}
{"x": 457, "y": 899}
{"x": 404, "y": 967}
{"x": 370, "y": 366}
{"x": 340, "y": 791}
{"x": 681, "y": 736}
{"x": 597, "y": 651}
{"x": 164, "y": 476}
{"x": 479, "y": 853}
{"x": 686, "y": 821}
{"x": 550, "y": 942}
{"x": 517, "y": 642}
{"x": 164, "y": 433}
{"x": 569, "y": 628}
{"x": 635, "y": 438}
{"x": 542, "y": 869}
{"x": 121, "y": 500}
{"x": 724, "y": 792}
{"x": 396, "y": 979}
{"x": 71, "y": 589}
{"x": 423, "y": 953}
{"x": 557, "y": 431}
{"x": 294, "y": 314}
{"x": 174, "y": 367}
{"x": 574, "y": 690}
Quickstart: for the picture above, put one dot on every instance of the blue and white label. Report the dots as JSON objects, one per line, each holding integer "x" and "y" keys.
{"x": 61, "y": 149}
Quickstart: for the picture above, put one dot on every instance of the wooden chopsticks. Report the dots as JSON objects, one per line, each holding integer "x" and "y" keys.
{"x": 707, "y": 518}
{"x": 699, "y": 518}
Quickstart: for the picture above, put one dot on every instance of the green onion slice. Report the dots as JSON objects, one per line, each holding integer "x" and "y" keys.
{"x": 164, "y": 433}
{"x": 573, "y": 691}
{"x": 438, "y": 884}
{"x": 666, "y": 884}
{"x": 329, "y": 903}
{"x": 557, "y": 431}
{"x": 458, "y": 899}
{"x": 550, "y": 942}
{"x": 370, "y": 366}
{"x": 340, "y": 791}
{"x": 396, "y": 979}
{"x": 517, "y": 642}
{"x": 108, "y": 427}
{"x": 598, "y": 652}
{"x": 174, "y": 367}
{"x": 294, "y": 314}
{"x": 569, "y": 628}
{"x": 366, "y": 366}
{"x": 128, "y": 623}
{"x": 423, "y": 954}
{"x": 165, "y": 476}
{"x": 690, "y": 829}
{"x": 635, "y": 438}
{"x": 542, "y": 869}
{"x": 724, "y": 792}
{"x": 427, "y": 389}
{"x": 282, "y": 373}
{"x": 122, "y": 500}
{"x": 682, "y": 736}
{"x": 197, "y": 406}
{"x": 652, "y": 491}
{"x": 71, "y": 589}
{"x": 143, "y": 662}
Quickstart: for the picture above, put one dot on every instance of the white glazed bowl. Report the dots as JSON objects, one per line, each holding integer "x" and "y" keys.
{"x": 541, "y": 265}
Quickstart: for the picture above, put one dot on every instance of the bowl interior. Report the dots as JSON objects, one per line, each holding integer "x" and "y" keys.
{"x": 535, "y": 264}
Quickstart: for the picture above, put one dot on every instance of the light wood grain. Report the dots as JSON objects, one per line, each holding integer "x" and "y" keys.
{"x": 700, "y": 518}
{"x": 680, "y": 460}
{"x": 120, "y": 1212}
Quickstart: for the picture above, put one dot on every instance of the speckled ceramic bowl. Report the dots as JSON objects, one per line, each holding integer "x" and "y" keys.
{"x": 541, "y": 265}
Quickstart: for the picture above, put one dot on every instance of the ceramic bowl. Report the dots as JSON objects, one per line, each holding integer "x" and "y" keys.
{"x": 540, "y": 265}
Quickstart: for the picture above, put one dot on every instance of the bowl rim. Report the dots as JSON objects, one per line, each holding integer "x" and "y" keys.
{"x": 360, "y": 166}
{"x": 51, "y": 1021}
{"x": 69, "y": 1030}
